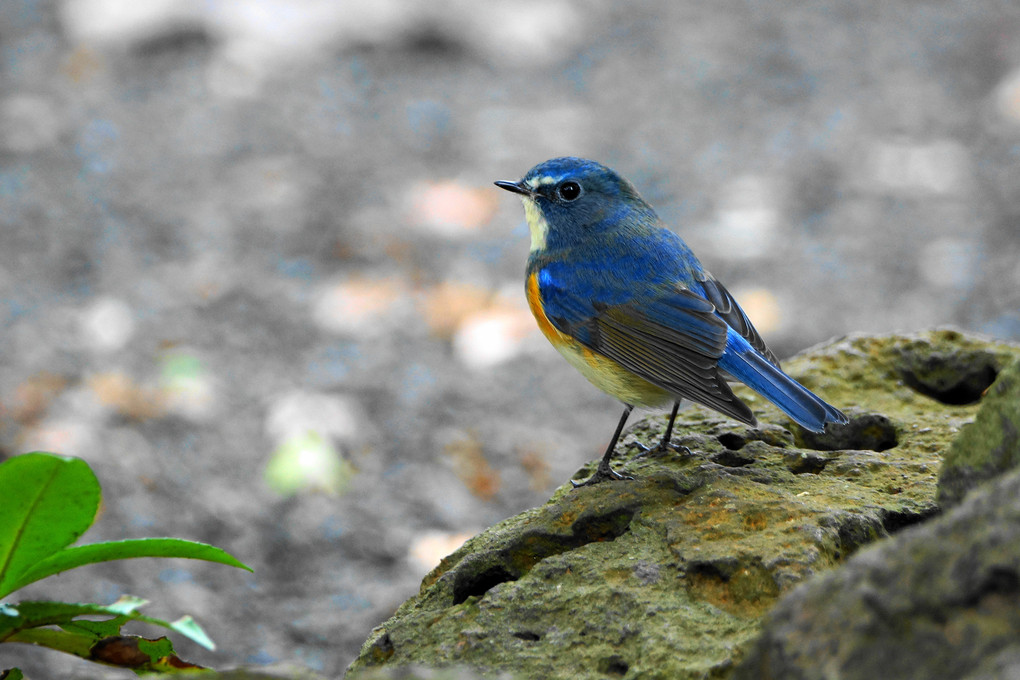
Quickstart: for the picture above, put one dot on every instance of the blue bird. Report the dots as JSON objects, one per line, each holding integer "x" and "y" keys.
{"x": 627, "y": 303}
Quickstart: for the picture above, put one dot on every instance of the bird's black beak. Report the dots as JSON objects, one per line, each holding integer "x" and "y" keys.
{"x": 515, "y": 187}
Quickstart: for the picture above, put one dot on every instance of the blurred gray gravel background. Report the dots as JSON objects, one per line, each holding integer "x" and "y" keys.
{"x": 253, "y": 269}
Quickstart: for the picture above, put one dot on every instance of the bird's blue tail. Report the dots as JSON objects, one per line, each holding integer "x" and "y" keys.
{"x": 748, "y": 366}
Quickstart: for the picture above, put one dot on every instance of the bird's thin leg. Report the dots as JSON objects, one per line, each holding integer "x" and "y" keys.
{"x": 664, "y": 443}
{"x": 604, "y": 472}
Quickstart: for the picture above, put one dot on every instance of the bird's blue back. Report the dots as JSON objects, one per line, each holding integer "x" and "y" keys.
{"x": 610, "y": 276}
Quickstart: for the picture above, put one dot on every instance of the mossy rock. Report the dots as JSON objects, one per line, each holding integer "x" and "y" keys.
{"x": 987, "y": 447}
{"x": 669, "y": 575}
{"x": 939, "y": 601}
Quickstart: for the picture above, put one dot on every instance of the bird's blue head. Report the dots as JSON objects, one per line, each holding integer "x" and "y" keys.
{"x": 567, "y": 200}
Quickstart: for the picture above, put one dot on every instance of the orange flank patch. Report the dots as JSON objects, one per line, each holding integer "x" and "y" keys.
{"x": 535, "y": 302}
{"x": 601, "y": 371}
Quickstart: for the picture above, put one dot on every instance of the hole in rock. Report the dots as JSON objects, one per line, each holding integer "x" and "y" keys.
{"x": 1000, "y": 581}
{"x": 531, "y": 547}
{"x": 956, "y": 378}
{"x": 527, "y": 635}
{"x": 864, "y": 432}
{"x": 732, "y": 441}
{"x": 732, "y": 459}
{"x": 479, "y": 584}
{"x": 614, "y": 665}
{"x": 894, "y": 521}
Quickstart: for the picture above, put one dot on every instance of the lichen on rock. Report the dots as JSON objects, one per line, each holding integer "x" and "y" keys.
{"x": 669, "y": 575}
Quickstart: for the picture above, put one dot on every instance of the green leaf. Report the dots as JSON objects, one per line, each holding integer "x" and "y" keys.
{"x": 17, "y": 622}
{"x": 12, "y": 674}
{"x": 156, "y": 649}
{"x": 190, "y": 629}
{"x": 70, "y": 643}
{"x": 80, "y": 555}
{"x": 48, "y": 502}
{"x": 97, "y": 629}
{"x": 33, "y": 614}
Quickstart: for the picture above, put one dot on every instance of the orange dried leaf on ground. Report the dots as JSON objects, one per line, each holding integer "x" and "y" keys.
{"x": 33, "y": 397}
{"x": 357, "y": 304}
{"x": 445, "y": 306}
{"x": 535, "y": 465}
{"x": 469, "y": 462}
{"x": 128, "y": 398}
{"x": 82, "y": 64}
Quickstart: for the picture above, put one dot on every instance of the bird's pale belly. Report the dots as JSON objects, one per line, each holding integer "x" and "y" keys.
{"x": 604, "y": 373}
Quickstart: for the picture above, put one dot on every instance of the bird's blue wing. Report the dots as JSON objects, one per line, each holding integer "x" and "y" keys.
{"x": 663, "y": 332}
{"x": 727, "y": 308}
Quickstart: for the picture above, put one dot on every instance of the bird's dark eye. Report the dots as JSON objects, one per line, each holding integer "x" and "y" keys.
{"x": 569, "y": 191}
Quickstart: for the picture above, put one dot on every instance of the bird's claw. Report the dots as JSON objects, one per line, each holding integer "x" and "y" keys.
{"x": 661, "y": 447}
{"x": 602, "y": 474}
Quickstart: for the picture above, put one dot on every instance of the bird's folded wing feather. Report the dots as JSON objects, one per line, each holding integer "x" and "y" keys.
{"x": 669, "y": 336}
{"x": 727, "y": 308}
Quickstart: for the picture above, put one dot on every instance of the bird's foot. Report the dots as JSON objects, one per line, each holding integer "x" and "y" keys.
{"x": 602, "y": 474}
{"x": 662, "y": 447}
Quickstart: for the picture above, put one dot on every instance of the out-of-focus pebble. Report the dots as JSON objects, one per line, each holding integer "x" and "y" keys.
{"x": 361, "y": 307}
{"x": 332, "y": 415}
{"x": 747, "y": 218}
{"x": 29, "y": 123}
{"x": 107, "y": 324}
{"x": 950, "y": 262}
{"x": 903, "y": 165}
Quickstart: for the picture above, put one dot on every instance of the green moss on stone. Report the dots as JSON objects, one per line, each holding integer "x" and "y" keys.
{"x": 668, "y": 576}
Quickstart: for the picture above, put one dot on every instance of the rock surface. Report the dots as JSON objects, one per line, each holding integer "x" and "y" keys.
{"x": 987, "y": 447}
{"x": 941, "y": 600}
{"x": 668, "y": 576}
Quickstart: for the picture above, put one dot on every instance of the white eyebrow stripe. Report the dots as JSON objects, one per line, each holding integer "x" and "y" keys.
{"x": 540, "y": 181}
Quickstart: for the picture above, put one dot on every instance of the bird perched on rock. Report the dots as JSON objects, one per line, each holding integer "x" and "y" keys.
{"x": 627, "y": 303}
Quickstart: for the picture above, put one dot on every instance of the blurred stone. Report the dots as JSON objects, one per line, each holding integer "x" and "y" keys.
{"x": 953, "y": 263}
{"x": 529, "y": 33}
{"x": 670, "y": 574}
{"x": 939, "y": 601}
{"x": 29, "y": 124}
{"x": 124, "y": 23}
{"x": 747, "y": 219}
{"x": 905, "y": 165}
{"x": 988, "y": 447}
{"x": 107, "y": 324}
{"x": 333, "y": 415}
{"x": 361, "y": 307}
{"x": 1007, "y": 97}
